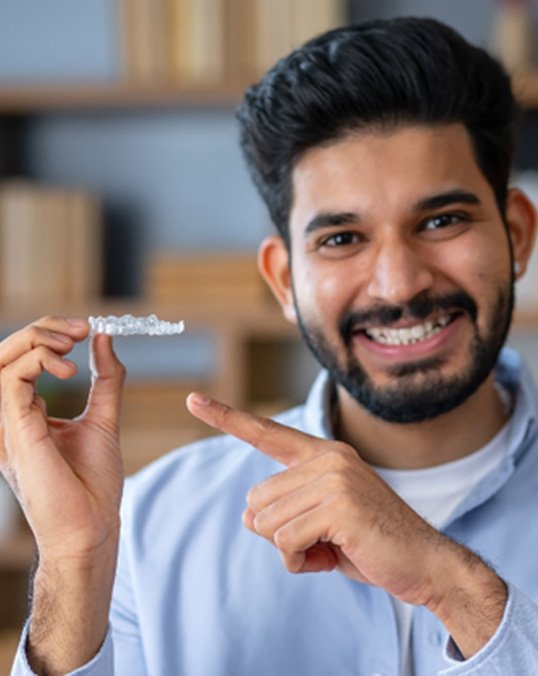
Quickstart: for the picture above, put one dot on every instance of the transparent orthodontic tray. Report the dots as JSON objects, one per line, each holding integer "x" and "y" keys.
{"x": 128, "y": 325}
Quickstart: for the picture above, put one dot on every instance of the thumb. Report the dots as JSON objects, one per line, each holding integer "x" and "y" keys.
{"x": 108, "y": 377}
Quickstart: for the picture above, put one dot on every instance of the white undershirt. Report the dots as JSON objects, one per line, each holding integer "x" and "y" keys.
{"x": 435, "y": 493}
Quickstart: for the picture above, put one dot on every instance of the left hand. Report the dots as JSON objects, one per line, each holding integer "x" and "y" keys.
{"x": 330, "y": 510}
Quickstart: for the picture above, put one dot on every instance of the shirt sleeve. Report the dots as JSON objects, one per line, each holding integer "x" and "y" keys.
{"x": 101, "y": 665}
{"x": 513, "y": 648}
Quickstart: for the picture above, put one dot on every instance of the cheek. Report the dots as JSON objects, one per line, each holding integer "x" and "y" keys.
{"x": 323, "y": 290}
{"x": 480, "y": 270}
{"x": 478, "y": 267}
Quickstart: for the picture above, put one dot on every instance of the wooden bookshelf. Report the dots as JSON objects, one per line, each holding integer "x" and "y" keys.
{"x": 233, "y": 326}
{"x": 39, "y": 98}
{"x": 29, "y": 99}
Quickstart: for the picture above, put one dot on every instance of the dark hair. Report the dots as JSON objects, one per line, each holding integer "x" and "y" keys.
{"x": 381, "y": 75}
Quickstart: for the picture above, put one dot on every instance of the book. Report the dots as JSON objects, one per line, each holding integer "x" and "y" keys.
{"x": 312, "y": 17}
{"x": 143, "y": 38}
{"x": 195, "y": 33}
{"x": 239, "y": 41}
{"x": 283, "y": 25}
{"x": 50, "y": 246}
{"x": 273, "y": 29}
{"x": 84, "y": 246}
{"x": 227, "y": 277}
{"x": 203, "y": 42}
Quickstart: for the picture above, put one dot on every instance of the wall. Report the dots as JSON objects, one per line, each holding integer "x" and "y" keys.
{"x": 58, "y": 40}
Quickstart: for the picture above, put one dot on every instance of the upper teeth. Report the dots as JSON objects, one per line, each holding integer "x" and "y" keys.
{"x": 407, "y": 336}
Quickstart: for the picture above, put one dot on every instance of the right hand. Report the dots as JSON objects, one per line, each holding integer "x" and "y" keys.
{"x": 66, "y": 474}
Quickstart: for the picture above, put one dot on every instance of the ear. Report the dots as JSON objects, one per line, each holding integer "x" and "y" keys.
{"x": 521, "y": 220}
{"x": 274, "y": 266}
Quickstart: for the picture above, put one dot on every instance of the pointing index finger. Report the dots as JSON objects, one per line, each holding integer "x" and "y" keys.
{"x": 284, "y": 444}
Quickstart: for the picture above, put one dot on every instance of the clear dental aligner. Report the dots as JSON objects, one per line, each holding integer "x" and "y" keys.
{"x": 128, "y": 325}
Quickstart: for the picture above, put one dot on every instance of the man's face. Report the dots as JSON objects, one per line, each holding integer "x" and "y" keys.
{"x": 401, "y": 268}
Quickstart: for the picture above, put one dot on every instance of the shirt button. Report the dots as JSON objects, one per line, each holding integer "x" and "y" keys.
{"x": 436, "y": 638}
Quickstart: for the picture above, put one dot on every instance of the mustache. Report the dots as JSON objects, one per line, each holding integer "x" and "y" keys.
{"x": 419, "y": 307}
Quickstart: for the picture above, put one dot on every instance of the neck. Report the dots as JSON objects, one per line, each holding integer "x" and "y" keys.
{"x": 439, "y": 440}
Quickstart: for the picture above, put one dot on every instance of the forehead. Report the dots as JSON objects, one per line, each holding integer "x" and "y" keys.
{"x": 374, "y": 173}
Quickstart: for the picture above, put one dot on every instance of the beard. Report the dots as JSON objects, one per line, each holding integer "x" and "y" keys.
{"x": 419, "y": 391}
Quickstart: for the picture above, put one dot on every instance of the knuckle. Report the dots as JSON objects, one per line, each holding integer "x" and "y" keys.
{"x": 335, "y": 481}
{"x": 340, "y": 501}
{"x": 345, "y": 450}
{"x": 45, "y": 320}
{"x": 283, "y": 540}
{"x": 292, "y": 564}
{"x": 225, "y": 412}
{"x": 254, "y": 498}
{"x": 262, "y": 428}
{"x": 337, "y": 458}
{"x": 6, "y": 374}
{"x": 262, "y": 524}
{"x": 34, "y": 336}
{"x": 43, "y": 353}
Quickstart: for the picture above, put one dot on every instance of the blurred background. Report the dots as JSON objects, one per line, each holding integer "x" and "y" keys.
{"x": 122, "y": 189}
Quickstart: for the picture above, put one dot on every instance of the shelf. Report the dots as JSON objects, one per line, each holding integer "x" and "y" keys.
{"x": 17, "y": 99}
{"x": 233, "y": 326}
{"x": 254, "y": 318}
{"x": 257, "y": 318}
{"x": 23, "y": 99}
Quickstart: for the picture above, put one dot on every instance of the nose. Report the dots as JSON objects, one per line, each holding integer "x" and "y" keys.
{"x": 398, "y": 273}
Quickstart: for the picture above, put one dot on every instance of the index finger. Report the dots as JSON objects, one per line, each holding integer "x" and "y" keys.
{"x": 285, "y": 444}
{"x": 46, "y": 331}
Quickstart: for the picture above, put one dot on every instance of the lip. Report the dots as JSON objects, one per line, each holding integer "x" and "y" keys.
{"x": 444, "y": 339}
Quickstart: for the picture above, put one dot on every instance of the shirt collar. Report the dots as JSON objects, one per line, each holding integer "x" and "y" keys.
{"x": 318, "y": 407}
{"x": 516, "y": 377}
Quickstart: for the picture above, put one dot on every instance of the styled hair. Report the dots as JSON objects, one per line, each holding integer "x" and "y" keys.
{"x": 378, "y": 75}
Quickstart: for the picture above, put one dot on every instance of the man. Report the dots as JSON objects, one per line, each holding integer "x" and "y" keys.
{"x": 383, "y": 153}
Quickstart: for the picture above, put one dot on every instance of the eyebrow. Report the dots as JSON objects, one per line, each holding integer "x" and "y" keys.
{"x": 328, "y": 219}
{"x": 446, "y": 198}
{"x": 325, "y": 220}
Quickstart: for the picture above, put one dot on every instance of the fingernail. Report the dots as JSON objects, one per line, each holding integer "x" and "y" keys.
{"x": 77, "y": 323}
{"x": 199, "y": 399}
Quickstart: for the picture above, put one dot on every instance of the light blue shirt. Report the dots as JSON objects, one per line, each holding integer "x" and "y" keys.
{"x": 197, "y": 594}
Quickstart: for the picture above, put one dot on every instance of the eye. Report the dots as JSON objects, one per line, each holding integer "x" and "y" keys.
{"x": 340, "y": 244}
{"x": 443, "y": 221}
{"x": 340, "y": 239}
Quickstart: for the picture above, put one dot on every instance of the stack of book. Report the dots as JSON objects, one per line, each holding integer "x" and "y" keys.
{"x": 228, "y": 278}
{"x": 203, "y": 42}
{"x": 50, "y": 246}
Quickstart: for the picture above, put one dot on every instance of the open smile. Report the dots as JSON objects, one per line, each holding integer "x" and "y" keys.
{"x": 408, "y": 335}
{"x": 411, "y": 339}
